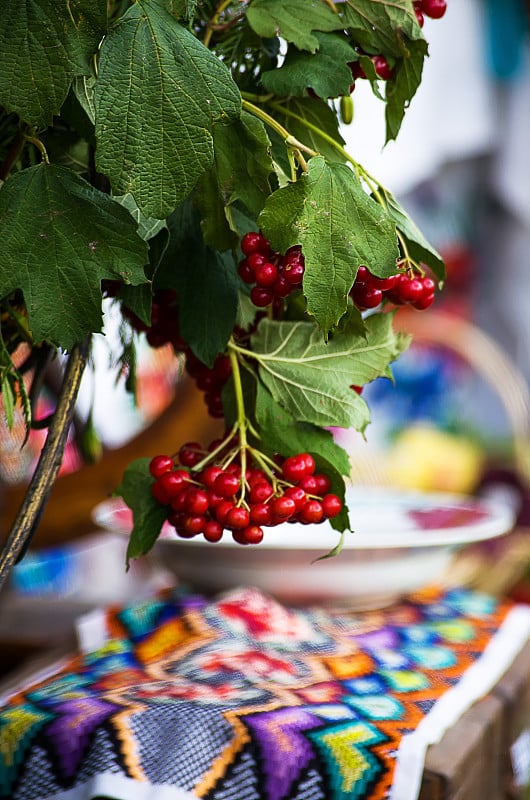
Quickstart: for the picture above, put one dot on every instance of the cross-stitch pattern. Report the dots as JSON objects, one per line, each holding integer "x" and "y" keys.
{"x": 242, "y": 698}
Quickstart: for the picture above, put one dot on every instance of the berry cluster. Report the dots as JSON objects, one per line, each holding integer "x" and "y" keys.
{"x": 274, "y": 275}
{"x": 369, "y": 291}
{"x": 216, "y": 497}
{"x": 435, "y": 9}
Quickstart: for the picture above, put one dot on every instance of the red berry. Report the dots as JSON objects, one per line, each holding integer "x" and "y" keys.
{"x": 297, "y": 494}
{"x": 281, "y": 287}
{"x": 160, "y": 464}
{"x": 245, "y": 271}
{"x": 266, "y": 275}
{"x": 411, "y": 290}
{"x": 172, "y": 483}
{"x": 283, "y": 507}
{"x": 382, "y": 68}
{"x": 237, "y": 518}
{"x": 261, "y": 297}
{"x": 331, "y": 505}
{"x": 429, "y": 285}
{"x": 209, "y": 474}
{"x": 364, "y": 296}
{"x": 197, "y": 501}
{"x": 190, "y": 454}
{"x": 193, "y": 523}
{"x": 419, "y": 15}
{"x": 293, "y": 273}
{"x": 254, "y": 242}
{"x": 253, "y": 534}
{"x": 424, "y": 302}
{"x": 226, "y": 484}
{"x": 222, "y": 510}
{"x": 260, "y": 514}
{"x": 309, "y": 484}
{"x": 385, "y": 284}
{"x": 312, "y": 512}
{"x": 213, "y": 531}
{"x": 323, "y": 484}
{"x": 294, "y": 468}
{"x": 433, "y": 8}
{"x": 260, "y": 492}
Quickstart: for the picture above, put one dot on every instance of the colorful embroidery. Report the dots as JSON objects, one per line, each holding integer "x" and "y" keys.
{"x": 243, "y": 698}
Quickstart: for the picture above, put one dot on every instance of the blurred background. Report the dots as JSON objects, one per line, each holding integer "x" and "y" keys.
{"x": 456, "y": 416}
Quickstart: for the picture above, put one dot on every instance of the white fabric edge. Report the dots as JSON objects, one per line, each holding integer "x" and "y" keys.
{"x": 122, "y": 788}
{"x": 476, "y": 681}
{"x": 91, "y": 630}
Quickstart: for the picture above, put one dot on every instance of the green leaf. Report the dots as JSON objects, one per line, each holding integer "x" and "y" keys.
{"x": 297, "y": 111}
{"x": 158, "y": 95}
{"x": 60, "y": 238}
{"x": 147, "y": 226}
{"x": 241, "y": 172}
{"x": 326, "y": 72}
{"x": 208, "y": 302}
{"x": 148, "y": 514}
{"x": 281, "y": 433}
{"x": 386, "y": 26}
{"x": 43, "y": 45}
{"x": 312, "y": 379}
{"x": 401, "y": 88}
{"x": 7, "y": 392}
{"x": 139, "y": 300}
{"x": 181, "y": 9}
{"x": 342, "y": 521}
{"x": 339, "y": 227}
{"x": 294, "y": 21}
{"x": 418, "y": 246}
{"x": 206, "y": 283}
{"x": 243, "y": 162}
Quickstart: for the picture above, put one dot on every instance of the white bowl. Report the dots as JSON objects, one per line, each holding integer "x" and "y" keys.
{"x": 401, "y": 542}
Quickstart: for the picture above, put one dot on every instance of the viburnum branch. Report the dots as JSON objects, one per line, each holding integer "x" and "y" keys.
{"x": 241, "y": 415}
{"x": 48, "y": 466}
{"x": 290, "y": 141}
{"x": 212, "y": 23}
{"x": 39, "y": 145}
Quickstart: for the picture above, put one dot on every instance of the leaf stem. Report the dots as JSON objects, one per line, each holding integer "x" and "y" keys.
{"x": 241, "y": 415}
{"x": 39, "y": 145}
{"x": 212, "y": 22}
{"x": 289, "y": 140}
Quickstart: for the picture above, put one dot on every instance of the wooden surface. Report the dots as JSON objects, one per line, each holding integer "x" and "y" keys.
{"x": 68, "y": 513}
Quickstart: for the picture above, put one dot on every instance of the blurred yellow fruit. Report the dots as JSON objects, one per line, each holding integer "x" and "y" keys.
{"x": 429, "y": 459}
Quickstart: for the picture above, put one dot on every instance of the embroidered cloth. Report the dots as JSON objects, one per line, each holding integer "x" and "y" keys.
{"x": 241, "y": 698}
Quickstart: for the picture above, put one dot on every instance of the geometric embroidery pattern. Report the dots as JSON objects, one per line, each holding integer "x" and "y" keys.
{"x": 243, "y": 697}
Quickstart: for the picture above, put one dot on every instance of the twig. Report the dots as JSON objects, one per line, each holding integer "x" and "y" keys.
{"x": 43, "y": 479}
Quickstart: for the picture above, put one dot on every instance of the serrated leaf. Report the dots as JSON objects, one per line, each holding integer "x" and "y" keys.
{"x": 386, "y": 26}
{"x": 326, "y": 71}
{"x": 401, "y": 88}
{"x": 148, "y": 514}
{"x": 312, "y": 379}
{"x": 418, "y": 246}
{"x": 158, "y": 94}
{"x": 294, "y": 21}
{"x": 294, "y": 112}
{"x": 182, "y": 9}
{"x": 147, "y": 227}
{"x": 339, "y": 228}
{"x": 8, "y": 398}
{"x": 43, "y": 45}
{"x": 60, "y": 238}
{"x": 282, "y": 433}
{"x": 83, "y": 87}
{"x": 139, "y": 300}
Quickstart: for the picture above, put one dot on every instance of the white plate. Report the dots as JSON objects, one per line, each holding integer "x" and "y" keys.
{"x": 400, "y": 542}
{"x": 380, "y": 518}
